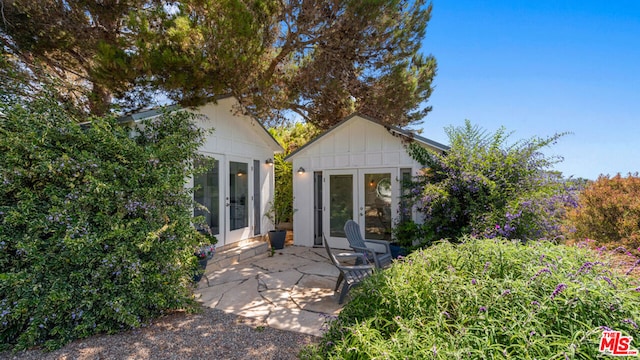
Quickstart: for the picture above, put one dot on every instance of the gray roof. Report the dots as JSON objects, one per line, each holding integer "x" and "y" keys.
{"x": 156, "y": 111}
{"x": 146, "y": 114}
{"x": 393, "y": 129}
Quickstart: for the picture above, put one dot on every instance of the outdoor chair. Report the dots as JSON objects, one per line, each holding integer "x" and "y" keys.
{"x": 376, "y": 251}
{"x": 350, "y": 275}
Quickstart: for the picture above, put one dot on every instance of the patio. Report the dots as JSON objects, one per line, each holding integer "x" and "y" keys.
{"x": 292, "y": 290}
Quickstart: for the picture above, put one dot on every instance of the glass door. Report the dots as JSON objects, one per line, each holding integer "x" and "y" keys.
{"x": 317, "y": 208}
{"x": 375, "y": 211}
{"x": 257, "y": 198}
{"x": 366, "y": 196}
{"x": 238, "y": 202}
{"x": 206, "y": 196}
{"x": 339, "y": 205}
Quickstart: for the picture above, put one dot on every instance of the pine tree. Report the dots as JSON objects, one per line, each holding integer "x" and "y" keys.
{"x": 315, "y": 60}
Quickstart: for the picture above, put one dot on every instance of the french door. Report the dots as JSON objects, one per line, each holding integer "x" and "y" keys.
{"x": 207, "y": 196}
{"x": 225, "y": 190}
{"x": 238, "y": 200}
{"x": 367, "y": 196}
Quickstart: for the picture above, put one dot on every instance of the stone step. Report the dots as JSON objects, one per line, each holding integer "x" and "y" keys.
{"x": 234, "y": 253}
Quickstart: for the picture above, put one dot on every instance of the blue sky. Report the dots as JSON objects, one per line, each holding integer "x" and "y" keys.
{"x": 539, "y": 68}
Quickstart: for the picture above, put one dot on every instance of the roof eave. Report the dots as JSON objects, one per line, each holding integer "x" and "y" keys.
{"x": 151, "y": 113}
{"x": 405, "y": 133}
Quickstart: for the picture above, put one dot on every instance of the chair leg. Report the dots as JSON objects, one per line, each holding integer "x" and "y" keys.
{"x": 340, "y": 278}
{"x": 343, "y": 292}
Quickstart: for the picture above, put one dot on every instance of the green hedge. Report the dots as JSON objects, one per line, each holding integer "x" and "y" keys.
{"x": 96, "y": 229}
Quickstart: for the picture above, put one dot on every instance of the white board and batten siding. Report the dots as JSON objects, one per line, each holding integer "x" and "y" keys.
{"x": 234, "y": 135}
{"x": 355, "y": 143}
{"x": 235, "y": 138}
{"x": 239, "y": 138}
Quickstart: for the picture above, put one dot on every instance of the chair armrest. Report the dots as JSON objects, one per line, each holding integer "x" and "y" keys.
{"x": 347, "y": 254}
{"x": 362, "y": 257}
{"x": 382, "y": 243}
{"x": 367, "y": 250}
{"x": 358, "y": 267}
{"x": 350, "y": 255}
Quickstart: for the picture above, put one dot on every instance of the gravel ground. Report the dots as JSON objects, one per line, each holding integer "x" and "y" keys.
{"x": 211, "y": 334}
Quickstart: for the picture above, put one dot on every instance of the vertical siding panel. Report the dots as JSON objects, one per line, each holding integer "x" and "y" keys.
{"x": 357, "y": 138}
{"x": 342, "y": 143}
{"x": 374, "y": 159}
{"x": 391, "y": 158}
{"x": 238, "y": 136}
{"x": 374, "y": 138}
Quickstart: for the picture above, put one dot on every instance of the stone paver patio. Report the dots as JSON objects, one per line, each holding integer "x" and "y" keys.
{"x": 292, "y": 290}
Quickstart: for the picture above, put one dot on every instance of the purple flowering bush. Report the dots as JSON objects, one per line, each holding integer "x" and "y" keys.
{"x": 486, "y": 299}
{"x": 96, "y": 226}
{"x": 486, "y": 188}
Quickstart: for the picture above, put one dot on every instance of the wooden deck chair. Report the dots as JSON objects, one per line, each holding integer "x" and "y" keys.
{"x": 350, "y": 275}
{"x": 376, "y": 251}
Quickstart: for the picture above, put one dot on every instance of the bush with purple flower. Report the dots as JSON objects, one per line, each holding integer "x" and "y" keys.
{"x": 486, "y": 299}
{"x": 487, "y": 188}
{"x": 96, "y": 224}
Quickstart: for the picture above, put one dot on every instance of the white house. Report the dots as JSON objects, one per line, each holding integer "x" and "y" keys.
{"x": 352, "y": 171}
{"x": 241, "y": 184}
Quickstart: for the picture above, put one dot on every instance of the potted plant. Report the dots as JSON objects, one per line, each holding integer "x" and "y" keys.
{"x": 204, "y": 253}
{"x": 278, "y": 212}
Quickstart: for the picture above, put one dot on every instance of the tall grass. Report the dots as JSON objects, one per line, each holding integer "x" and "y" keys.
{"x": 485, "y": 299}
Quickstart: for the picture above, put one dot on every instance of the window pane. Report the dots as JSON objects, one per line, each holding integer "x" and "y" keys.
{"x": 207, "y": 194}
{"x": 238, "y": 194}
{"x": 377, "y": 206}
{"x": 341, "y": 203}
{"x": 405, "y": 183}
{"x": 257, "y": 191}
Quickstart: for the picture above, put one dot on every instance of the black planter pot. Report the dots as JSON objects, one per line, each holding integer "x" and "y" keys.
{"x": 276, "y": 238}
{"x": 202, "y": 265}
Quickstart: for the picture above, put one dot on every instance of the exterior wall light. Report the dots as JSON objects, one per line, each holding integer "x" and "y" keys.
{"x": 269, "y": 162}
{"x": 301, "y": 170}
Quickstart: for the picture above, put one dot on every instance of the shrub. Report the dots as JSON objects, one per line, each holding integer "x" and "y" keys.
{"x": 609, "y": 212}
{"x": 96, "y": 229}
{"x": 485, "y": 188}
{"x": 290, "y": 137}
{"x": 411, "y": 235}
{"x": 484, "y": 299}
{"x": 281, "y": 208}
